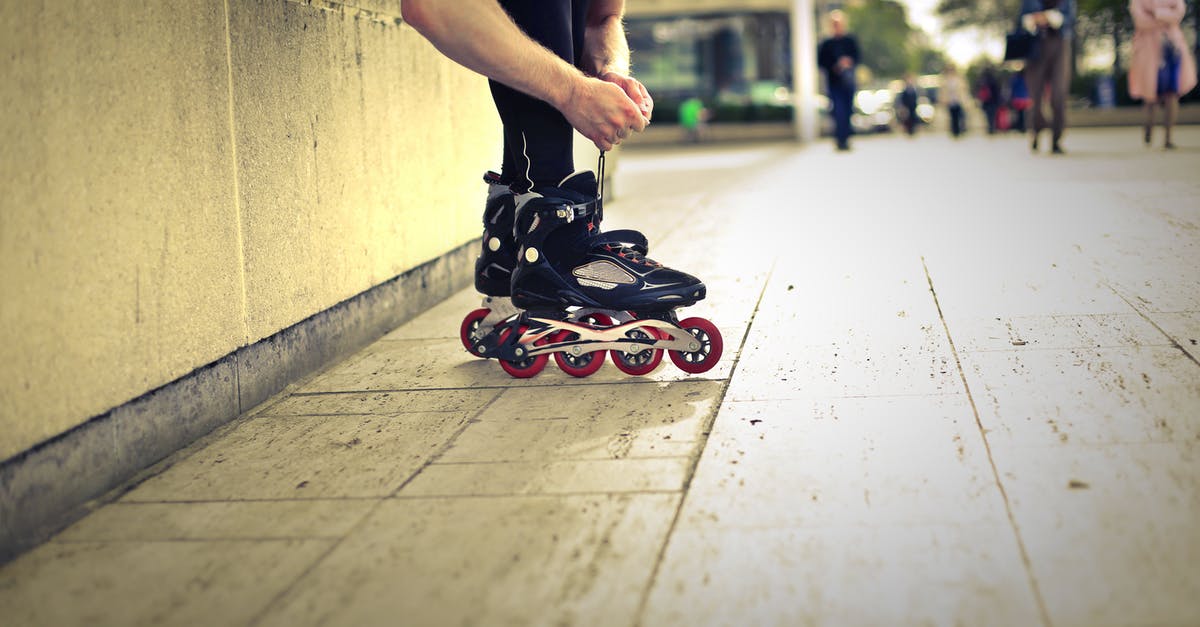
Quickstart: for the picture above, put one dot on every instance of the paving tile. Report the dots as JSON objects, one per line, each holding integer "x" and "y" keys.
{"x": 861, "y": 330}
{"x": 1086, "y": 396}
{"x": 896, "y": 460}
{"x": 1025, "y": 333}
{"x": 975, "y": 286}
{"x": 219, "y": 520}
{"x": 1110, "y": 530}
{"x": 385, "y": 403}
{"x": 1183, "y": 328}
{"x": 127, "y": 584}
{"x": 846, "y": 575}
{"x": 550, "y": 477}
{"x": 307, "y": 457}
{"x": 617, "y": 421}
{"x": 440, "y": 321}
{"x": 910, "y": 358}
{"x": 413, "y": 365}
{"x": 488, "y": 561}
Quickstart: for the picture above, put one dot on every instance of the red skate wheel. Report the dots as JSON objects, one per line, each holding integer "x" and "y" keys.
{"x": 469, "y": 325}
{"x": 584, "y": 363}
{"x": 524, "y": 368}
{"x": 642, "y": 362}
{"x": 598, "y": 320}
{"x": 708, "y": 350}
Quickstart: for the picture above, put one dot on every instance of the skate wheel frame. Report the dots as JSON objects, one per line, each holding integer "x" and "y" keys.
{"x": 641, "y": 362}
{"x": 528, "y": 366}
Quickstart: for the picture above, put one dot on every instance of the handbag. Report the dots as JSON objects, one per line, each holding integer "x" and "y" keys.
{"x": 1018, "y": 44}
{"x": 1168, "y": 71}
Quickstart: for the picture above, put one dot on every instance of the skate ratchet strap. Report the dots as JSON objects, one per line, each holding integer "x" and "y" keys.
{"x": 569, "y": 212}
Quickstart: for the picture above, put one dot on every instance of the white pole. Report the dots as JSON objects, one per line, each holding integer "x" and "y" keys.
{"x": 804, "y": 70}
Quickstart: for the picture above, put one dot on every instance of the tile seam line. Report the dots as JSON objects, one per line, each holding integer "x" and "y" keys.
{"x": 333, "y": 546}
{"x": 1032, "y": 579}
{"x": 566, "y": 384}
{"x": 398, "y": 497}
{"x": 1173, "y": 342}
{"x": 703, "y": 443}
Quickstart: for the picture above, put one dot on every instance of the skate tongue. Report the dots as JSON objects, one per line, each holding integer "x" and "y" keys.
{"x": 583, "y": 182}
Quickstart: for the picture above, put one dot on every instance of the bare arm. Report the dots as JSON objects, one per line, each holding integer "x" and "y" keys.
{"x": 1142, "y": 13}
{"x": 605, "y": 48}
{"x": 479, "y": 35}
{"x": 606, "y": 52}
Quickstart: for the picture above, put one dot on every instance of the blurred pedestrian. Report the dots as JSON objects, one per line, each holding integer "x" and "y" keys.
{"x": 1019, "y": 100}
{"x": 989, "y": 95}
{"x": 906, "y": 103}
{"x": 1048, "y": 69}
{"x": 837, "y": 56}
{"x": 953, "y": 93}
{"x": 1162, "y": 67}
{"x": 692, "y": 117}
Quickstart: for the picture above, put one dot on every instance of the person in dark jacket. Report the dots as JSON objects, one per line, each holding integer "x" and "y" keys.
{"x": 1049, "y": 65}
{"x": 907, "y": 104}
{"x": 989, "y": 97}
{"x": 837, "y": 56}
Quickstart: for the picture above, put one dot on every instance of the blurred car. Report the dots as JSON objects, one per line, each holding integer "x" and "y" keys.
{"x": 873, "y": 111}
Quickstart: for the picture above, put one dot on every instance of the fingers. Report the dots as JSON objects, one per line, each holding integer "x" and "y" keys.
{"x": 647, "y": 103}
{"x": 635, "y": 90}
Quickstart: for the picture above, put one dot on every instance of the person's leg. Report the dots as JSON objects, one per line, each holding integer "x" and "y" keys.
{"x": 1035, "y": 78}
{"x": 1148, "y": 124}
{"x": 1060, "y": 82}
{"x": 538, "y": 140}
{"x": 1170, "y": 111}
{"x": 842, "y": 101}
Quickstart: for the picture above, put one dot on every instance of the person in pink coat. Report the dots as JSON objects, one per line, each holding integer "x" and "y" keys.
{"x": 1162, "y": 67}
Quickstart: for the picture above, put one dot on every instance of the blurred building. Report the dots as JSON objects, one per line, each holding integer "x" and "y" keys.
{"x": 748, "y": 60}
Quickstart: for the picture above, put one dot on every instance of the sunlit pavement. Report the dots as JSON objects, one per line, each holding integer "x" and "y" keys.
{"x": 960, "y": 387}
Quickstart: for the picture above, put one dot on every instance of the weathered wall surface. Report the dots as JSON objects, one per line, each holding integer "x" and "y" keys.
{"x": 183, "y": 179}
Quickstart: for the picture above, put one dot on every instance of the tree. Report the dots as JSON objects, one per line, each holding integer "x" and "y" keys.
{"x": 883, "y": 33}
{"x": 1104, "y": 18}
{"x": 995, "y": 16}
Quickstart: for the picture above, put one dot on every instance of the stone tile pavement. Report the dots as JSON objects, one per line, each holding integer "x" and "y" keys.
{"x": 960, "y": 387}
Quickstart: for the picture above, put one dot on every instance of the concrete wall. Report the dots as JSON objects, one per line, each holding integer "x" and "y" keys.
{"x": 183, "y": 179}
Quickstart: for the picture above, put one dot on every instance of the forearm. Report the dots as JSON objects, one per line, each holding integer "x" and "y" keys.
{"x": 605, "y": 48}
{"x": 479, "y": 35}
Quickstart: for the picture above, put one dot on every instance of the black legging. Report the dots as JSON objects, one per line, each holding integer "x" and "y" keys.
{"x": 537, "y": 138}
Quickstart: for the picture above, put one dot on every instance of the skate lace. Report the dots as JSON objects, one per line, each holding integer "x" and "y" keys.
{"x": 633, "y": 256}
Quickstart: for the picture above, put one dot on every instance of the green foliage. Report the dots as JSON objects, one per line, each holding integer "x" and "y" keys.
{"x": 883, "y": 33}
{"x": 989, "y": 15}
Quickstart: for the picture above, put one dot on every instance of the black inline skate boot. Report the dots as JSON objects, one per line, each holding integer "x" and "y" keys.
{"x": 498, "y": 258}
{"x": 565, "y": 261}
{"x": 495, "y": 263}
{"x": 566, "y": 265}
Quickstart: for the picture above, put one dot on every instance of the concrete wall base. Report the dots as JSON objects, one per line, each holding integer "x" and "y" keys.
{"x": 46, "y": 488}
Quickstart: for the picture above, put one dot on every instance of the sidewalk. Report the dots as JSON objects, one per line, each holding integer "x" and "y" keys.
{"x": 960, "y": 387}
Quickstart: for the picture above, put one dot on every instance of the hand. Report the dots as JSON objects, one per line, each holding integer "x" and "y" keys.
{"x": 602, "y": 112}
{"x": 634, "y": 89}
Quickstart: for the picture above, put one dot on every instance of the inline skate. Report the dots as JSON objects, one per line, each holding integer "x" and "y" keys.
{"x": 581, "y": 293}
{"x": 498, "y": 258}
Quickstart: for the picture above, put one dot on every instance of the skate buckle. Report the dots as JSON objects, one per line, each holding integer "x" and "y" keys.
{"x": 565, "y": 212}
